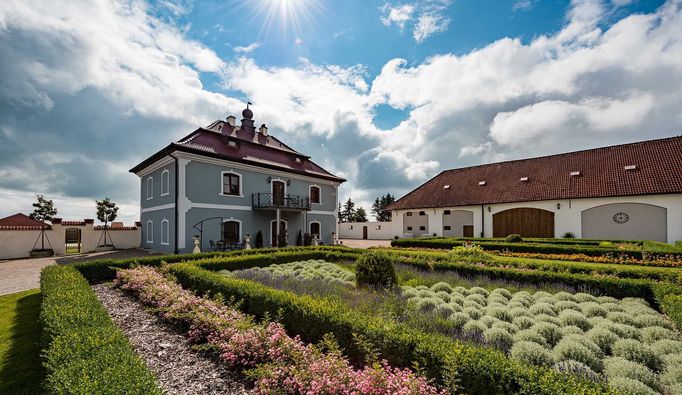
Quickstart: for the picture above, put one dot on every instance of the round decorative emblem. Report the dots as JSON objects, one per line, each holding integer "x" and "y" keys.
{"x": 620, "y": 218}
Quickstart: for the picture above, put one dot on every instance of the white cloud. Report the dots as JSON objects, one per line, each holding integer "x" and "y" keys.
{"x": 427, "y": 17}
{"x": 398, "y": 15}
{"x": 247, "y": 49}
{"x": 522, "y": 5}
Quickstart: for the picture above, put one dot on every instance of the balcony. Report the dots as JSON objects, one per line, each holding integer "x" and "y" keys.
{"x": 266, "y": 200}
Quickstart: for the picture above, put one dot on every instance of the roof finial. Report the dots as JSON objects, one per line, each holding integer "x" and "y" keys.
{"x": 248, "y": 103}
{"x": 247, "y": 113}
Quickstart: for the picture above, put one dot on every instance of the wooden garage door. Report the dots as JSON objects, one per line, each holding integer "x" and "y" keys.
{"x": 527, "y": 222}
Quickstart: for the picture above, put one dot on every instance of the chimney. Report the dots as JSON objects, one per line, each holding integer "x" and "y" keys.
{"x": 231, "y": 120}
{"x": 263, "y": 130}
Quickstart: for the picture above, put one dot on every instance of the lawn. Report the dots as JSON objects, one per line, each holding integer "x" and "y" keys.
{"x": 20, "y": 368}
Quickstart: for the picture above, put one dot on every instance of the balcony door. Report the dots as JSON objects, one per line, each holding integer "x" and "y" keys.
{"x": 231, "y": 232}
{"x": 278, "y": 193}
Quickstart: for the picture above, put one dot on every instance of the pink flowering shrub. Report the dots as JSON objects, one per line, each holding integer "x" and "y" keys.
{"x": 279, "y": 363}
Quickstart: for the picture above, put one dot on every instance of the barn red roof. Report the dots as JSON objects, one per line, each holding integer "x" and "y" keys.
{"x": 245, "y": 145}
{"x": 21, "y": 222}
{"x": 642, "y": 168}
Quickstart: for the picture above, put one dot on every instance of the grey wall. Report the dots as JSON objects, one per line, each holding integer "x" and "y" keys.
{"x": 646, "y": 222}
{"x": 157, "y": 199}
{"x": 456, "y": 221}
{"x": 415, "y": 221}
{"x": 156, "y": 217}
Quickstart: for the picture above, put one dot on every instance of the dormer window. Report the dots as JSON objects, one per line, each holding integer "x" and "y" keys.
{"x": 298, "y": 160}
{"x": 232, "y": 143}
{"x": 631, "y": 168}
{"x": 422, "y": 213}
{"x": 409, "y": 213}
{"x": 524, "y": 179}
{"x": 481, "y": 183}
{"x": 576, "y": 174}
{"x": 315, "y": 195}
{"x": 232, "y": 183}
{"x": 446, "y": 186}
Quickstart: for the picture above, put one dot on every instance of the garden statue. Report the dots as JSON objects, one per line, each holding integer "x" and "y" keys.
{"x": 247, "y": 242}
{"x": 197, "y": 249}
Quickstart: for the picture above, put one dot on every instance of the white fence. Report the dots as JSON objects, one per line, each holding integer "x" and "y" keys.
{"x": 17, "y": 242}
{"x": 368, "y": 230}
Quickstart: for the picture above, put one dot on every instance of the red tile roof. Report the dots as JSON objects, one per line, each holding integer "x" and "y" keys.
{"x": 245, "y": 145}
{"x": 21, "y": 222}
{"x": 602, "y": 174}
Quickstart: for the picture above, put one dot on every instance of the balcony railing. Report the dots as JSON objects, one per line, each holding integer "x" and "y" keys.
{"x": 266, "y": 200}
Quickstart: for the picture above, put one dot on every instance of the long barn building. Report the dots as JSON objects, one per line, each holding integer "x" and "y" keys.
{"x": 629, "y": 191}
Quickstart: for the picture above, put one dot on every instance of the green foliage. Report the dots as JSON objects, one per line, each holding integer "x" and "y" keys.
{"x": 532, "y": 353}
{"x": 572, "y": 350}
{"x": 43, "y": 209}
{"x": 634, "y": 350}
{"x": 84, "y": 351}
{"x": 476, "y": 369}
{"x": 629, "y": 386}
{"x": 470, "y": 253}
{"x": 379, "y": 207}
{"x": 620, "y": 367}
{"x": 375, "y": 270}
{"x": 568, "y": 235}
{"x": 513, "y": 238}
{"x": 304, "y": 270}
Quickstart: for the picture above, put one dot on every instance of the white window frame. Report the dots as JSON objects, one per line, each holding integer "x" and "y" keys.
{"x": 150, "y": 232}
{"x": 286, "y": 227}
{"x": 167, "y": 232}
{"x": 241, "y": 229}
{"x": 310, "y": 228}
{"x": 150, "y": 188}
{"x": 165, "y": 186}
{"x": 222, "y": 184}
{"x": 272, "y": 186}
{"x": 310, "y": 188}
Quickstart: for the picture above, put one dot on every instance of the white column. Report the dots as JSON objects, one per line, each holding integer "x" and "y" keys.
{"x": 277, "y": 229}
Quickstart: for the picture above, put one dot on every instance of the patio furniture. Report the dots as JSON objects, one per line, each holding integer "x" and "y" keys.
{"x": 213, "y": 246}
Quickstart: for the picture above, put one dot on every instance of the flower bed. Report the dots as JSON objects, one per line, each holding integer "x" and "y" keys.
{"x": 661, "y": 261}
{"x": 304, "y": 270}
{"x": 84, "y": 351}
{"x": 278, "y": 363}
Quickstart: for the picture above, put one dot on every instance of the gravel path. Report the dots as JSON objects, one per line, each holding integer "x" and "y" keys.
{"x": 179, "y": 369}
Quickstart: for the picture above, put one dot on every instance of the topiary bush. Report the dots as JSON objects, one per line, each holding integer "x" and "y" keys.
{"x": 636, "y": 351}
{"x": 625, "y": 385}
{"x": 513, "y": 238}
{"x": 621, "y": 367}
{"x": 375, "y": 270}
{"x": 532, "y": 353}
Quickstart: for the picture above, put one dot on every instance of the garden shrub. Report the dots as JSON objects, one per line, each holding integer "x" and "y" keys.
{"x": 576, "y": 368}
{"x": 541, "y": 308}
{"x": 523, "y": 322}
{"x": 550, "y": 332}
{"x": 573, "y": 350}
{"x": 603, "y": 338}
{"x": 84, "y": 351}
{"x": 620, "y": 367}
{"x": 653, "y": 334}
{"x": 532, "y": 353}
{"x": 568, "y": 235}
{"x": 570, "y": 317}
{"x": 666, "y": 346}
{"x": 570, "y": 330}
{"x": 636, "y": 351}
{"x": 459, "y": 319}
{"x": 513, "y": 238}
{"x": 474, "y": 328}
{"x": 593, "y": 309}
{"x": 672, "y": 376}
{"x": 498, "y": 337}
{"x": 527, "y": 335}
{"x": 473, "y": 312}
{"x": 510, "y": 328}
{"x": 375, "y": 270}
{"x": 629, "y": 386}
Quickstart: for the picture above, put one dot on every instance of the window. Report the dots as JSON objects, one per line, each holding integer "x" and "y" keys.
{"x": 315, "y": 194}
{"x": 231, "y": 231}
{"x": 232, "y": 183}
{"x": 378, "y": 227}
{"x": 164, "y": 232}
{"x": 422, "y": 213}
{"x": 315, "y": 229}
{"x": 447, "y": 227}
{"x": 409, "y": 213}
{"x": 446, "y": 212}
{"x": 150, "y": 231}
{"x": 422, "y": 228}
{"x": 150, "y": 188}
{"x": 409, "y": 228}
{"x": 165, "y": 181}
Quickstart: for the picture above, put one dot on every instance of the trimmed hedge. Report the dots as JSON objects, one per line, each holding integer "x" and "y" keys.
{"x": 84, "y": 351}
{"x": 474, "y": 369}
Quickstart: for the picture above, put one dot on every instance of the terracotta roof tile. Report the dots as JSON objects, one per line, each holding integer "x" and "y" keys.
{"x": 602, "y": 174}
{"x": 21, "y": 222}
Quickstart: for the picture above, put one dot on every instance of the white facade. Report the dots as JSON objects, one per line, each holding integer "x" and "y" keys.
{"x": 373, "y": 230}
{"x": 568, "y": 216}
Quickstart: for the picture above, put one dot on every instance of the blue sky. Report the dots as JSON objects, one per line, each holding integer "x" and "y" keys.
{"x": 384, "y": 93}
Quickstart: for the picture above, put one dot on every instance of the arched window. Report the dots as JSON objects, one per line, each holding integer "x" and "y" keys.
{"x": 315, "y": 194}
{"x": 150, "y": 231}
{"x": 165, "y": 182}
{"x": 150, "y": 188}
{"x": 315, "y": 228}
{"x": 232, "y": 231}
{"x": 164, "y": 232}
{"x": 232, "y": 183}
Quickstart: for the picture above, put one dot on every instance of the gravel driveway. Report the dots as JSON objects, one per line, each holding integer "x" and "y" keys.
{"x": 23, "y": 274}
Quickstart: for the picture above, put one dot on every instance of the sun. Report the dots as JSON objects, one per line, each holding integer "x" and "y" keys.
{"x": 286, "y": 18}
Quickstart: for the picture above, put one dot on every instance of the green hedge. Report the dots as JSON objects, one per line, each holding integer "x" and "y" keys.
{"x": 542, "y": 248}
{"x": 610, "y": 269}
{"x": 474, "y": 369}
{"x": 84, "y": 351}
{"x": 105, "y": 269}
{"x": 579, "y": 242}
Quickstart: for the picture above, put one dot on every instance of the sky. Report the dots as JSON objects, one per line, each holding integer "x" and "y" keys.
{"x": 384, "y": 93}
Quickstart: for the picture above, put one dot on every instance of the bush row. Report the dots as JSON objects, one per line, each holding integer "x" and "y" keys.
{"x": 609, "y": 269}
{"x": 451, "y": 363}
{"x": 84, "y": 351}
{"x": 587, "y": 242}
{"x": 105, "y": 269}
{"x": 448, "y": 243}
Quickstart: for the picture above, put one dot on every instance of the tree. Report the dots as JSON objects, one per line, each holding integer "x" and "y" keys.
{"x": 43, "y": 211}
{"x": 106, "y": 212}
{"x": 360, "y": 215}
{"x": 379, "y": 208}
{"x": 347, "y": 214}
{"x": 341, "y": 217}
